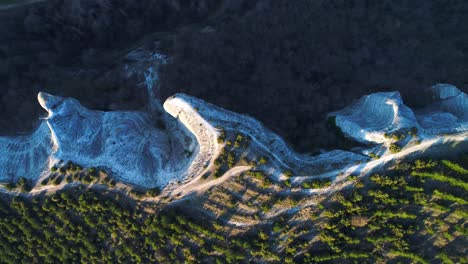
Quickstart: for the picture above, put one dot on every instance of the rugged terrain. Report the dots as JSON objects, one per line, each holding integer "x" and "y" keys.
{"x": 239, "y": 193}
{"x": 131, "y": 163}
{"x": 410, "y": 213}
{"x": 188, "y": 143}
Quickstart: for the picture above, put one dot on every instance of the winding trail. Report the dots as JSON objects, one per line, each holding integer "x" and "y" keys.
{"x": 196, "y": 186}
{"x": 265, "y": 139}
{"x": 201, "y": 120}
{"x": 200, "y": 117}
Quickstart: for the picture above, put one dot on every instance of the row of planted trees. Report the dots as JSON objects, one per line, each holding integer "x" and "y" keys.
{"x": 413, "y": 214}
{"x": 398, "y": 216}
{"x": 89, "y": 226}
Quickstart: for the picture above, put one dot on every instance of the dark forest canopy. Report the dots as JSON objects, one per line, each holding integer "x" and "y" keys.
{"x": 287, "y": 63}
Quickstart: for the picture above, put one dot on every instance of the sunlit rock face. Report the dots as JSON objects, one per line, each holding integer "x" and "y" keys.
{"x": 202, "y": 118}
{"x": 136, "y": 151}
{"x": 126, "y": 143}
{"x": 448, "y": 113}
{"x": 25, "y": 156}
{"x": 374, "y": 115}
{"x": 449, "y": 98}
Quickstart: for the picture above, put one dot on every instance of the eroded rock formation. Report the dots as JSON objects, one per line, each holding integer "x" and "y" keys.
{"x": 376, "y": 116}
{"x": 137, "y": 151}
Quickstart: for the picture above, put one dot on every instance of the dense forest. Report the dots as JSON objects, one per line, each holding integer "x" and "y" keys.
{"x": 289, "y": 63}
{"x": 414, "y": 213}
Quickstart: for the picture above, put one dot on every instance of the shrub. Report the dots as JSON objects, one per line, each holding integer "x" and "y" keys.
{"x": 87, "y": 179}
{"x": 231, "y": 160}
{"x": 153, "y": 192}
{"x": 112, "y": 183}
{"x": 317, "y": 183}
{"x": 256, "y": 174}
{"x": 394, "y": 148}
{"x": 137, "y": 193}
{"x": 10, "y": 186}
{"x": 45, "y": 181}
{"x": 57, "y": 180}
{"x": 217, "y": 174}
{"x": 222, "y": 135}
{"x": 262, "y": 160}
{"x": 92, "y": 171}
{"x": 421, "y": 164}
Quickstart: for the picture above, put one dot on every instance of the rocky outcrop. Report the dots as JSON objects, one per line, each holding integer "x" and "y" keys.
{"x": 126, "y": 143}
{"x": 208, "y": 116}
{"x": 130, "y": 146}
{"x": 136, "y": 151}
{"x": 374, "y": 117}
{"x": 25, "y": 156}
{"x": 449, "y": 98}
{"x": 204, "y": 132}
{"x": 447, "y": 114}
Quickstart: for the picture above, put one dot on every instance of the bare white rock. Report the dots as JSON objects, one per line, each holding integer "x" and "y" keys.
{"x": 126, "y": 143}
{"x": 25, "y": 156}
{"x": 130, "y": 145}
{"x": 448, "y": 113}
{"x": 450, "y": 99}
{"x": 374, "y": 115}
{"x": 202, "y": 118}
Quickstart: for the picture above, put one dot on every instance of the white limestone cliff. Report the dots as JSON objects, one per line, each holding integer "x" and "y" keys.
{"x": 25, "y": 156}
{"x": 373, "y": 117}
{"x": 126, "y": 143}
{"x": 137, "y": 152}
{"x": 264, "y": 139}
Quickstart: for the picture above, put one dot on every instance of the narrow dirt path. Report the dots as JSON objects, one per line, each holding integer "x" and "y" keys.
{"x": 198, "y": 186}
